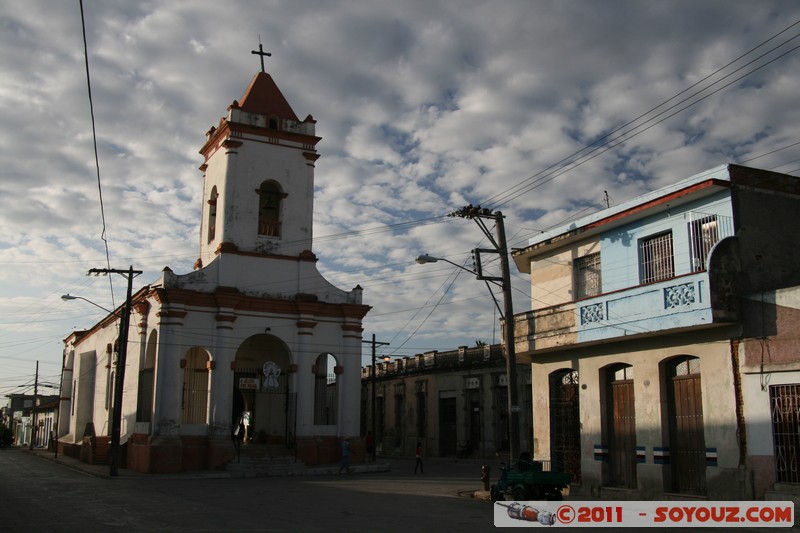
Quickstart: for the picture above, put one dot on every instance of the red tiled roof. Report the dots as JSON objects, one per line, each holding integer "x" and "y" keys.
{"x": 264, "y": 98}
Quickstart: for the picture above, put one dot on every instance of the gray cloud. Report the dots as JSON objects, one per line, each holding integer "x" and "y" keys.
{"x": 423, "y": 107}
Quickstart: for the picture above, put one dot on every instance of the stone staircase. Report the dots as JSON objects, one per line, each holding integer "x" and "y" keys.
{"x": 784, "y": 492}
{"x": 261, "y": 460}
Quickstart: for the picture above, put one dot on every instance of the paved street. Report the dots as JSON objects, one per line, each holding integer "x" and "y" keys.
{"x": 40, "y": 495}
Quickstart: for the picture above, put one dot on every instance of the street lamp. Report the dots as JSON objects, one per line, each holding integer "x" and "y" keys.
{"x": 504, "y": 281}
{"x": 425, "y": 258}
{"x": 67, "y": 297}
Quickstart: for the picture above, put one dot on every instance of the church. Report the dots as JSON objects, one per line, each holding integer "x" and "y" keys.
{"x": 253, "y": 335}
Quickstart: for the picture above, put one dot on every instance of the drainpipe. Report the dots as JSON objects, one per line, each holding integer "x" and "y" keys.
{"x": 741, "y": 430}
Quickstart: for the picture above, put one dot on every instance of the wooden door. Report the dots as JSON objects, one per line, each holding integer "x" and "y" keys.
{"x": 621, "y": 434}
{"x": 448, "y": 426}
{"x": 687, "y": 448}
{"x": 565, "y": 432}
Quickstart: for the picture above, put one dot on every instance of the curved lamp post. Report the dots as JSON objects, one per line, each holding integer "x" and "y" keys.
{"x": 67, "y": 297}
{"x": 507, "y": 313}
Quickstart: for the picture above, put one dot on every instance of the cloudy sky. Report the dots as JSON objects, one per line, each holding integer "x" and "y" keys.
{"x": 424, "y": 106}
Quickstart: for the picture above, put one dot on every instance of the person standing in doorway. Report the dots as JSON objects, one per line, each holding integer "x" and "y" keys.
{"x": 345, "y": 463}
{"x": 418, "y": 464}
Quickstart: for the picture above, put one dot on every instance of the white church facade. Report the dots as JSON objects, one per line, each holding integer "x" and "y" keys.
{"x": 254, "y": 333}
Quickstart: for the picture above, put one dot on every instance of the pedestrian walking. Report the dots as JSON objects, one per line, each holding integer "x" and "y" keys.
{"x": 418, "y": 464}
{"x": 345, "y": 462}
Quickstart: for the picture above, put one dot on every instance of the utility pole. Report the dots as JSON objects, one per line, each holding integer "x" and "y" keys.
{"x": 119, "y": 378}
{"x": 33, "y": 411}
{"x": 478, "y": 214}
{"x": 374, "y": 343}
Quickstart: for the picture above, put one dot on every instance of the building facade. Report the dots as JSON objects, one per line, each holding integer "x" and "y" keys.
{"x": 454, "y": 403}
{"x": 771, "y": 388}
{"x": 254, "y": 333}
{"x": 31, "y": 419}
{"x": 635, "y": 336}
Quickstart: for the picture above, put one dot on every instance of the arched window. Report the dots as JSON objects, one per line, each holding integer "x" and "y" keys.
{"x": 144, "y": 404}
{"x": 212, "y": 214}
{"x": 269, "y": 209}
{"x": 194, "y": 401}
{"x": 325, "y": 394}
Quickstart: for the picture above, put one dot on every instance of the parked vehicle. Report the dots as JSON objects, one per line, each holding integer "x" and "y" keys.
{"x": 524, "y": 479}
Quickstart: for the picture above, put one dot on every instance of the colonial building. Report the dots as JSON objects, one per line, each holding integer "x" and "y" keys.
{"x": 31, "y": 417}
{"x": 254, "y": 333}
{"x": 771, "y": 388}
{"x": 642, "y": 383}
{"x": 455, "y": 403}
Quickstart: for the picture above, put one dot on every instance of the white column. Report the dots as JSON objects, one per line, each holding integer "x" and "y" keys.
{"x": 223, "y": 356}
{"x": 349, "y": 381}
{"x": 304, "y": 378}
{"x": 168, "y": 373}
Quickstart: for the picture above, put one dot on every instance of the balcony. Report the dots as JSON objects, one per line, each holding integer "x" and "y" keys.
{"x": 680, "y": 303}
{"x": 693, "y": 284}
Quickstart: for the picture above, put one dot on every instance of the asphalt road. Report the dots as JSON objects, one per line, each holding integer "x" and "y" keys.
{"x": 39, "y": 495}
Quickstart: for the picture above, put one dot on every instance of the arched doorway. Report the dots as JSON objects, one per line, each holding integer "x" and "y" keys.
{"x": 326, "y": 397}
{"x": 261, "y": 390}
{"x": 687, "y": 448}
{"x": 565, "y": 429}
{"x": 620, "y": 426}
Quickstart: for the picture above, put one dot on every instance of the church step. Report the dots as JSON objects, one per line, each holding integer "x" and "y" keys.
{"x": 792, "y": 488}
{"x": 266, "y": 461}
{"x": 783, "y": 492}
{"x": 265, "y": 466}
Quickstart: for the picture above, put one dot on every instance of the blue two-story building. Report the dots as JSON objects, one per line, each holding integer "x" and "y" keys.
{"x": 635, "y": 329}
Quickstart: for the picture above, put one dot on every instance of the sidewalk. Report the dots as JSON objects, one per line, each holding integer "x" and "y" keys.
{"x": 103, "y": 471}
{"x": 438, "y": 468}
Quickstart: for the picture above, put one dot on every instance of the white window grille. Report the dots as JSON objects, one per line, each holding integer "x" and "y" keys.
{"x": 656, "y": 260}
{"x": 588, "y": 281}
{"x": 704, "y": 232}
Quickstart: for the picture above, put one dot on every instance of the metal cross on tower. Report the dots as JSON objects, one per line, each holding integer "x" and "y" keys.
{"x": 262, "y": 53}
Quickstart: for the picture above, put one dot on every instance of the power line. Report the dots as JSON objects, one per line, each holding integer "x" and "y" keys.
{"x": 576, "y": 158}
{"x": 96, "y": 157}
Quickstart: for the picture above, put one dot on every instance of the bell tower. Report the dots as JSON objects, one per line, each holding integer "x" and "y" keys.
{"x": 258, "y": 194}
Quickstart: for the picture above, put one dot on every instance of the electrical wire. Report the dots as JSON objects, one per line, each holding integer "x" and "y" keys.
{"x": 103, "y": 235}
{"x": 521, "y": 188}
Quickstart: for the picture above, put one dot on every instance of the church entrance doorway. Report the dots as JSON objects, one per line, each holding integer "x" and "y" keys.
{"x": 261, "y": 395}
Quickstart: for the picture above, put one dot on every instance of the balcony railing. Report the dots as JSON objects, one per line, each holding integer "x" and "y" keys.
{"x": 678, "y": 303}
{"x": 706, "y": 230}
